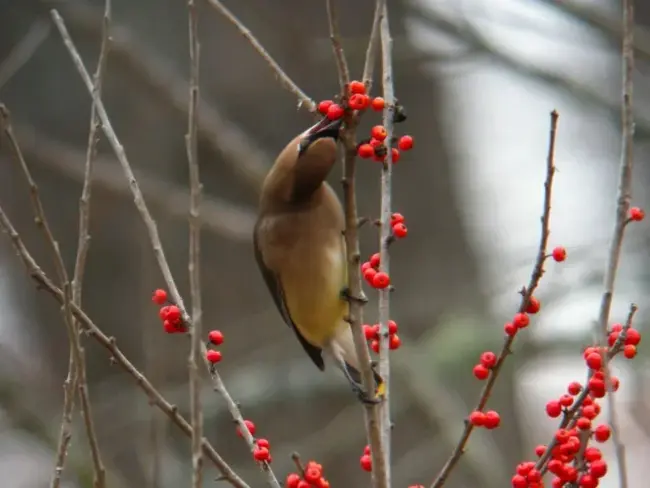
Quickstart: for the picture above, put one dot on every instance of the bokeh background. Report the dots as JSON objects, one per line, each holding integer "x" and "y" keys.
{"x": 478, "y": 80}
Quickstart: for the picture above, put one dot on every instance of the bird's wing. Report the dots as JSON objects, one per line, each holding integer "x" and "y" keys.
{"x": 275, "y": 287}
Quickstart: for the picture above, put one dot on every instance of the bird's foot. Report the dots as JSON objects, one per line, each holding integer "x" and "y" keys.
{"x": 346, "y": 295}
{"x": 364, "y": 397}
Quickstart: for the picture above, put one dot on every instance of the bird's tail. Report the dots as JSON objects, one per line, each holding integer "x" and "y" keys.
{"x": 380, "y": 386}
{"x": 344, "y": 344}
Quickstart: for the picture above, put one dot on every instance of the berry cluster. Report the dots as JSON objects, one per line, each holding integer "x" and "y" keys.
{"x": 312, "y": 477}
{"x": 170, "y": 314}
{"x": 398, "y": 225}
{"x": 371, "y": 333}
{"x": 261, "y": 452}
{"x": 215, "y": 337}
{"x": 376, "y": 279}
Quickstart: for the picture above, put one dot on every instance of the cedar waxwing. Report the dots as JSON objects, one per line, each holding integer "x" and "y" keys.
{"x": 300, "y": 250}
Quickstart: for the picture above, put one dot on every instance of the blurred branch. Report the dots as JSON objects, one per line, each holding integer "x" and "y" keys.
{"x": 239, "y": 150}
{"x": 622, "y": 205}
{"x": 194, "y": 263}
{"x": 77, "y": 372}
{"x": 110, "y": 344}
{"x": 23, "y": 51}
{"x": 526, "y": 294}
{"x": 288, "y": 83}
{"x": 385, "y": 234}
{"x": 219, "y": 216}
{"x": 373, "y": 43}
{"x": 335, "y": 38}
{"x": 154, "y": 237}
{"x": 69, "y": 386}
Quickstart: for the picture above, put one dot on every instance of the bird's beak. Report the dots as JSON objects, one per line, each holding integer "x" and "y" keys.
{"x": 325, "y": 128}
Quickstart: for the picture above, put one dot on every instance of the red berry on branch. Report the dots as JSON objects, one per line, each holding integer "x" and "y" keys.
{"x": 574, "y": 388}
{"x": 477, "y": 418}
{"x": 169, "y": 327}
{"x": 359, "y": 101}
{"x": 357, "y": 87}
{"x": 395, "y": 154}
{"x": 629, "y": 351}
{"x": 215, "y": 337}
{"x": 381, "y": 280}
{"x": 292, "y": 480}
{"x": 394, "y": 342}
{"x": 405, "y": 143}
{"x": 366, "y": 151}
{"x": 173, "y": 313}
{"x": 378, "y": 132}
{"x": 595, "y": 361}
{"x": 492, "y": 419}
{"x": 533, "y": 305}
{"x": 263, "y": 443}
{"x": 598, "y": 468}
{"x": 602, "y": 432}
{"x": 566, "y": 400}
{"x": 375, "y": 260}
{"x": 369, "y": 274}
{"x": 312, "y": 474}
{"x": 553, "y": 409}
{"x": 559, "y": 254}
{"x": 261, "y": 454}
{"x": 481, "y": 372}
{"x": 510, "y": 329}
{"x": 374, "y": 345}
{"x": 249, "y": 425}
{"x": 521, "y": 320}
{"x": 632, "y": 337}
{"x": 540, "y": 450}
{"x": 519, "y": 481}
{"x": 213, "y": 356}
{"x": 396, "y": 218}
{"x": 488, "y": 359}
{"x": 369, "y": 332}
{"x": 324, "y": 106}
{"x": 159, "y": 296}
{"x": 636, "y": 214}
{"x": 378, "y": 104}
{"x": 392, "y": 327}
{"x": 592, "y": 454}
{"x": 400, "y": 231}
{"x": 335, "y": 112}
{"x": 366, "y": 462}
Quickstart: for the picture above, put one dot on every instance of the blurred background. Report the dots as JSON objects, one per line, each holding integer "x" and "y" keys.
{"x": 478, "y": 79}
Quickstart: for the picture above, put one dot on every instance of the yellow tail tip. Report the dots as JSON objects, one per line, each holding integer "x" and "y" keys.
{"x": 381, "y": 389}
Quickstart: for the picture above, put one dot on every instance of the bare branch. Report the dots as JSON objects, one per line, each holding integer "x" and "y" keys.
{"x": 155, "y": 238}
{"x": 23, "y": 51}
{"x": 337, "y": 46}
{"x": 110, "y": 344}
{"x": 373, "y": 43}
{"x": 622, "y": 206}
{"x": 385, "y": 233}
{"x": 288, "y": 83}
{"x": 195, "y": 250}
{"x": 527, "y": 293}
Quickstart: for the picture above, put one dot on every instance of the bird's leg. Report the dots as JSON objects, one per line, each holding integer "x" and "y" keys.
{"x": 346, "y": 295}
{"x": 363, "y": 396}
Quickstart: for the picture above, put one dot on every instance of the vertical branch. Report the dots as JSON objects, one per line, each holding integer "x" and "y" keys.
{"x": 373, "y": 42}
{"x": 385, "y": 236}
{"x": 82, "y": 253}
{"x": 337, "y": 46}
{"x": 622, "y": 206}
{"x": 194, "y": 259}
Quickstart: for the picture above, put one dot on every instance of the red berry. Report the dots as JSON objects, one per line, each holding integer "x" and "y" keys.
{"x": 375, "y": 143}
{"x": 553, "y": 409}
{"x": 617, "y": 327}
{"x": 213, "y": 356}
{"x": 369, "y": 274}
{"x": 540, "y": 450}
{"x": 583, "y": 423}
{"x": 396, "y": 218}
{"x": 477, "y": 418}
{"x": 369, "y": 332}
{"x": 366, "y": 462}
{"x": 394, "y": 342}
{"x": 292, "y": 480}
{"x": 559, "y": 254}
{"x": 534, "y": 476}
{"x": 263, "y": 443}
{"x": 510, "y": 329}
{"x": 598, "y": 468}
{"x": 324, "y": 106}
{"x": 592, "y": 454}
{"x": 400, "y": 231}
{"x": 312, "y": 474}
{"x": 533, "y": 305}
{"x": 405, "y": 143}
{"x": 381, "y": 280}
{"x": 488, "y": 359}
{"x": 357, "y": 87}
{"x": 589, "y": 412}
{"x": 378, "y": 132}
{"x": 359, "y": 101}
{"x": 375, "y": 260}
{"x": 632, "y": 337}
{"x": 365, "y": 266}
{"x": 566, "y": 400}
{"x": 521, "y": 320}
{"x": 159, "y": 296}
{"x": 215, "y": 337}
{"x": 602, "y": 432}
{"x": 629, "y": 351}
{"x": 170, "y": 328}
{"x": 587, "y": 481}
{"x": 378, "y": 104}
{"x": 249, "y": 425}
{"x": 481, "y": 372}
{"x": 574, "y": 388}
{"x": 173, "y": 313}
{"x": 366, "y": 450}
{"x": 366, "y": 151}
{"x": 519, "y": 481}
{"x": 616, "y": 383}
{"x": 335, "y": 112}
{"x": 637, "y": 214}
{"x": 595, "y": 361}
{"x": 162, "y": 313}
{"x": 392, "y": 327}
{"x": 261, "y": 454}
{"x": 395, "y": 155}
{"x": 304, "y": 484}
{"x": 492, "y": 419}
{"x": 374, "y": 345}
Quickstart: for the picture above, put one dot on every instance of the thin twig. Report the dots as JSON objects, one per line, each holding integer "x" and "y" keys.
{"x": 154, "y": 237}
{"x": 527, "y": 293}
{"x": 23, "y": 51}
{"x": 373, "y": 44}
{"x": 337, "y": 46}
{"x": 288, "y": 83}
{"x": 65, "y": 433}
{"x": 195, "y": 250}
{"x": 622, "y": 206}
{"x": 385, "y": 233}
{"x": 118, "y": 357}
{"x": 79, "y": 375}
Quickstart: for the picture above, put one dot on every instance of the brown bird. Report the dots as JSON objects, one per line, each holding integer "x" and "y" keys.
{"x": 300, "y": 250}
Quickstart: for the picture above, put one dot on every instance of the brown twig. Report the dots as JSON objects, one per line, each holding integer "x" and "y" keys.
{"x": 154, "y": 237}
{"x": 110, "y": 344}
{"x": 288, "y": 83}
{"x": 23, "y": 51}
{"x": 385, "y": 233}
{"x": 69, "y": 387}
{"x": 622, "y": 206}
{"x": 83, "y": 245}
{"x": 373, "y": 43}
{"x": 195, "y": 250}
{"x": 337, "y": 46}
{"x": 527, "y": 293}
{"x": 217, "y": 215}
